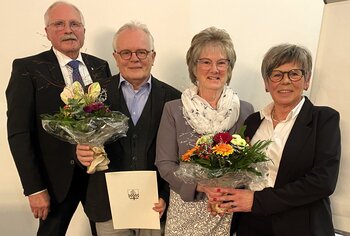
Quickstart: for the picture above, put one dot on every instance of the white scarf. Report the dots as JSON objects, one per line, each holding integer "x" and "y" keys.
{"x": 206, "y": 120}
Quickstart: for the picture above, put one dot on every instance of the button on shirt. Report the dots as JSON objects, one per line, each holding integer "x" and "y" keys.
{"x": 278, "y": 136}
{"x": 67, "y": 70}
{"x": 135, "y": 99}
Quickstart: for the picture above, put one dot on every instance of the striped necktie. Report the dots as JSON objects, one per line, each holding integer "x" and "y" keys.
{"x": 74, "y": 64}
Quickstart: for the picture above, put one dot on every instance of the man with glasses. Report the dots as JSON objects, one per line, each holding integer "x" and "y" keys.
{"x": 139, "y": 95}
{"x": 50, "y": 176}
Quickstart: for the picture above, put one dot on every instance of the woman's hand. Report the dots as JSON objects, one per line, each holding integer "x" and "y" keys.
{"x": 235, "y": 200}
{"x": 212, "y": 193}
{"x": 84, "y": 154}
{"x": 160, "y": 207}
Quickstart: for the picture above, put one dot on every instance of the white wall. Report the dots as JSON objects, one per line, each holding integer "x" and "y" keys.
{"x": 254, "y": 25}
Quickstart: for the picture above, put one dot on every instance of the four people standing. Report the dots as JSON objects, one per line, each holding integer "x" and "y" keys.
{"x": 50, "y": 176}
{"x": 305, "y": 149}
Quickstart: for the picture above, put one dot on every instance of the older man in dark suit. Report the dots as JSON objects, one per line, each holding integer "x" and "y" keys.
{"x": 51, "y": 179}
{"x": 140, "y": 96}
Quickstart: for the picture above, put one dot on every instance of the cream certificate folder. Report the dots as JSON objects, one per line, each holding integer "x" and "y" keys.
{"x": 132, "y": 195}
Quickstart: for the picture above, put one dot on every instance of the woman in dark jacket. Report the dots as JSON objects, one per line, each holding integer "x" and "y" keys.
{"x": 305, "y": 154}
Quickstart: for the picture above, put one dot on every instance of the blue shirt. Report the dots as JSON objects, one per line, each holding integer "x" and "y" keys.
{"x": 135, "y": 99}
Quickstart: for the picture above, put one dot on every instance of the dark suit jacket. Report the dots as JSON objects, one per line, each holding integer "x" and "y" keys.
{"x": 299, "y": 204}
{"x": 35, "y": 85}
{"x": 134, "y": 152}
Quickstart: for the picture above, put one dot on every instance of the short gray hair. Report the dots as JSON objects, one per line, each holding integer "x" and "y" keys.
{"x": 286, "y": 53}
{"x": 210, "y": 36}
{"x": 136, "y": 26}
{"x": 47, "y": 13}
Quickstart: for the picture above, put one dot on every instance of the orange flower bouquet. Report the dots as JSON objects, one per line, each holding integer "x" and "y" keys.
{"x": 224, "y": 160}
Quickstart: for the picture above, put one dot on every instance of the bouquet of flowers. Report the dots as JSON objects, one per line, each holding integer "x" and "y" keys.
{"x": 85, "y": 119}
{"x": 224, "y": 160}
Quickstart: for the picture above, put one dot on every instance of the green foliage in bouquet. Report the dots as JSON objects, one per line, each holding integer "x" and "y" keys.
{"x": 81, "y": 107}
{"x": 227, "y": 153}
{"x": 84, "y": 114}
{"x": 85, "y": 119}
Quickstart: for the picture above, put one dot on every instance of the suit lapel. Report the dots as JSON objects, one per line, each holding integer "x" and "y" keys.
{"x": 97, "y": 71}
{"x": 54, "y": 76}
{"x": 115, "y": 97}
{"x": 113, "y": 93}
{"x": 252, "y": 124}
{"x": 157, "y": 97}
{"x": 155, "y": 100}
{"x": 297, "y": 138}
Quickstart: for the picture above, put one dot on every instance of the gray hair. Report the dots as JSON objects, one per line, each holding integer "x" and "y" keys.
{"x": 286, "y": 53}
{"x": 47, "y": 13}
{"x": 214, "y": 37}
{"x": 134, "y": 26}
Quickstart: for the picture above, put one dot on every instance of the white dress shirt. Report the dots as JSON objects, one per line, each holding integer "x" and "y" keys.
{"x": 67, "y": 70}
{"x": 277, "y": 135}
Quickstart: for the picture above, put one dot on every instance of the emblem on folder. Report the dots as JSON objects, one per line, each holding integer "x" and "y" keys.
{"x": 133, "y": 194}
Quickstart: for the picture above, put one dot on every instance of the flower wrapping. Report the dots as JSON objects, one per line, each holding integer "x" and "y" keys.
{"x": 224, "y": 160}
{"x": 85, "y": 119}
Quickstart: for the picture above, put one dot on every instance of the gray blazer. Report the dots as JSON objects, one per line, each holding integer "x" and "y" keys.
{"x": 175, "y": 137}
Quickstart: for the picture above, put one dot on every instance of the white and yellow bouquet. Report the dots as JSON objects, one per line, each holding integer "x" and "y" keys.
{"x": 85, "y": 119}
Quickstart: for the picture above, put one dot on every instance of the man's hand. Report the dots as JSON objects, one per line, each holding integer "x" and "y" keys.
{"x": 160, "y": 207}
{"x": 235, "y": 200}
{"x": 84, "y": 154}
{"x": 40, "y": 204}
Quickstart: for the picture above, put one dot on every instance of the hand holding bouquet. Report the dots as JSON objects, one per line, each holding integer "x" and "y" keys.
{"x": 85, "y": 119}
{"x": 223, "y": 160}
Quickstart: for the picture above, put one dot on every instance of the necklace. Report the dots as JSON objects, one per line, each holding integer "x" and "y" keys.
{"x": 273, "y": 116}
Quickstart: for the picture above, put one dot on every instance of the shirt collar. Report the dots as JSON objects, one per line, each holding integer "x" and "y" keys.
{"x": 63, "y": 59}
{"x": 266, "y": 111}
{"x": 124, "y": 81}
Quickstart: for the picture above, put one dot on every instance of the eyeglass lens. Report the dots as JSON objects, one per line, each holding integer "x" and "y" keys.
{"x": 293, "y": 75}
{"x": 207, "y": 64}
{"x": 60, "y": 25}
{"x": 140, "y": 54}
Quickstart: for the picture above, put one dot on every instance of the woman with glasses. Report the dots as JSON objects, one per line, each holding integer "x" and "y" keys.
{"x": 209, "y": 106}
{"x": 305, "y": 154}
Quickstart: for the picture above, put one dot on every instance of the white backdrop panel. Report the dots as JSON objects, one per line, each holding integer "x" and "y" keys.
{"x": 330, "y": 87}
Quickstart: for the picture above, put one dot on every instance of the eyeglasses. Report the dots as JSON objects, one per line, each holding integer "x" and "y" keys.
{"x": 294, "y": 75}
{"x": 60, "y": 25}
{"x": 140, "y": 53}
{"x": 207, "y": 64}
